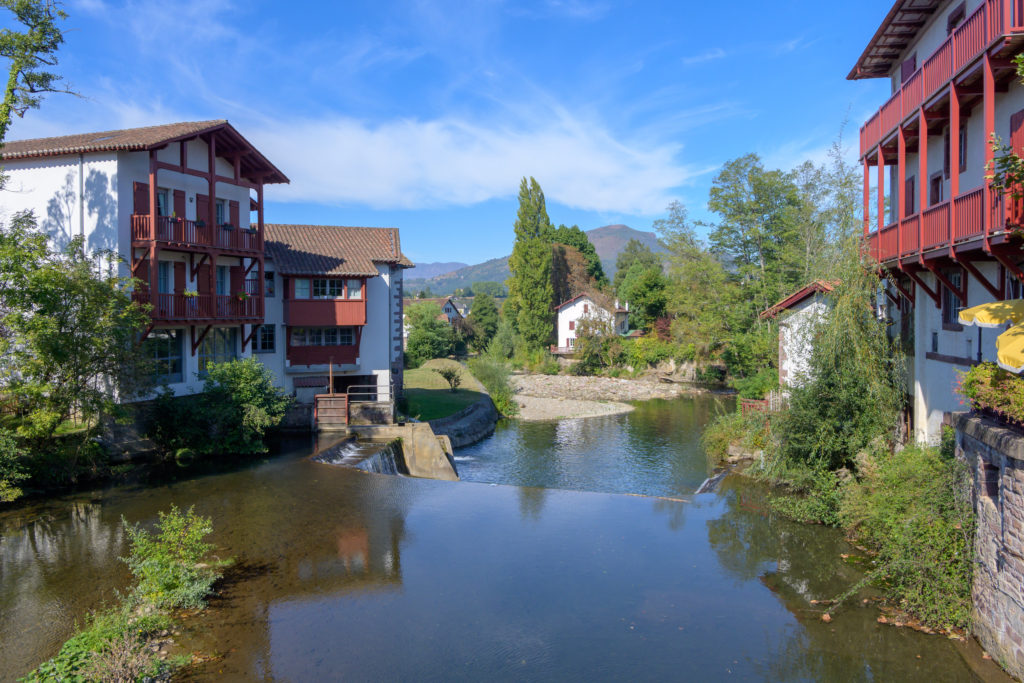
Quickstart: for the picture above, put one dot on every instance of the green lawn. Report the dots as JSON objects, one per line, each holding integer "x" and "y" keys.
{"x": 428, "y": 393}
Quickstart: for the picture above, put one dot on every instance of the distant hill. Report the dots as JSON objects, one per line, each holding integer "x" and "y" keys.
{"x": 425, "y": 271}
{"x": 608, "y": 241}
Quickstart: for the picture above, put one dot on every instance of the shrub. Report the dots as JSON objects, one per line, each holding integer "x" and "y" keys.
{"x": 452, "y": 376}
{"x": 913, "y": 508}
{"x": 12, "y": 470}
{"x": 169, "y": 565}
{"x": 494, "y": 376}
{"x": 757, "y": 386}
{"x": 989, "y": 387}
{"x": 751, "y": 432}
{"x": 710, "y": 374}
{"x": 237, "y": 406}
{"x": 647, "y": 351}
{"x": 813, "y": 495}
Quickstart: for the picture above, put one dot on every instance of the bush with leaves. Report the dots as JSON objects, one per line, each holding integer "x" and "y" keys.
{"x": 171, "y": 565}
{"x": 494, "y": 376}
{"x": 757, "y": 385}
{"x": 450, "y": 375}
{"x": 12, "y": 469}
{"x": 987, "y": 387}
{"x": 232, "y": 414}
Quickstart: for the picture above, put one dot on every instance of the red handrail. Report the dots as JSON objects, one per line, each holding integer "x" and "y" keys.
{"x": 969, "y": 209}
{"x": 182, "y": 307}
{"x": 936, "y": 226}
{"x": 910, "y": 229}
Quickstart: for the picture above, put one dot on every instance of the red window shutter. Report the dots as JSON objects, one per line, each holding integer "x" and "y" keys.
{"x": 141, "y": 198}
{"x": 572, "y": 324}
{"x": 237, "y": 285}
{"x": 203, "y": 208}
{"x": 908, "y": 68}
{"x": 179, "y": 203}
{"x": 233, "y": 207}
{"x": 910, "y": 192}
{"x": 179, "y": 277}
{"x": 945, "y": 153}
{"x": 203, "y": 283}
{"x": 1017, "y": 132}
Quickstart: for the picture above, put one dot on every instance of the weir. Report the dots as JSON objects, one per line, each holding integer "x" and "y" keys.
{"x": 410, "y": 449}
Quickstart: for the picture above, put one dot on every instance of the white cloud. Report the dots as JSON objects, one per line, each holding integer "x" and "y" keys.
{"x": 706, "y": 56}
{"x": 411, "y": 164}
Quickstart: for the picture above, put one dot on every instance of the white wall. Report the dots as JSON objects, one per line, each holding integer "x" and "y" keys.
{"x": 930, "y": 37}
{"x": 796, "y": 332}
{"x": 574, "y": 312}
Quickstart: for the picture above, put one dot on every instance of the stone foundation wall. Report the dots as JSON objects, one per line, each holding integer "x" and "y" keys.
{"x": 995, "y": 455}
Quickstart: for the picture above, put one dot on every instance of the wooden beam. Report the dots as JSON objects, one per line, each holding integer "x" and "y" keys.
{"x": 961, "y": 292}
{"x": 997, "y": 292}
{"x": 194, "y": 267}
{"x": 248, "y": 338}
{"x": 196, "y": 342}
{"x": 1008, "y": 264}
{"x": 935, "y": 296}
{"x": 909, "y": 296}
{"x": 145, "y": 333}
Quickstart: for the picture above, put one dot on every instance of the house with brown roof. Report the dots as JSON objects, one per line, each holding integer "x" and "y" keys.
{"x": 182, "y": 204}
{"x": 334, "y": 311}
{"x": 798, "y": 315}
{"x": 590, "y": 307}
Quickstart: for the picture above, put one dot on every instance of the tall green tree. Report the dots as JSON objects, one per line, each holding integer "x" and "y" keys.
{"x": 485, "y": 318}
{"x": 30, "y": 51}
{"x": 634, "y": 253}
{"x": 574, "y": 237}
{"x": 644, "y": 288}
{"x": 429, "y": 335}
{"x": 530, "y": 296}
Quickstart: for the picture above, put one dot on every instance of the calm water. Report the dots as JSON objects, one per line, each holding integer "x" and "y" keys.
{"x": 344, "y": 574}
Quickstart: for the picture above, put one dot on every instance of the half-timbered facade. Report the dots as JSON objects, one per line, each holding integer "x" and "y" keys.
{"x": 333, "y": 310}
{"x": 182, "y": 205}
{"x": 943, "y": 237}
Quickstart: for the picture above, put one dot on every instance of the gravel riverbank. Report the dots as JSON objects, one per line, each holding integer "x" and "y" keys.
{"x": 556, "y": 397}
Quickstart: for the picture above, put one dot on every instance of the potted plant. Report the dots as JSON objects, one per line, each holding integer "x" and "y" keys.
{"x": 200, "y": 223}
{"x": 227, "y": 226}
{"x": 190, "y": 293}
{"x": 242, "y": 296}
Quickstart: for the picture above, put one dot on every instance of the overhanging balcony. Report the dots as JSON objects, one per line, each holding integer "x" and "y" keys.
{"x": 178, "y": 232}
{"x": 991, "y": 22}
{"x": 325, "y": 312}
{"x": 202, "y": 308}
{"x": 958, "y": 224}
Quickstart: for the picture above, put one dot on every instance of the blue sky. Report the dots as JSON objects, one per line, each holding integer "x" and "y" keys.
{"x": 425, "y": 115}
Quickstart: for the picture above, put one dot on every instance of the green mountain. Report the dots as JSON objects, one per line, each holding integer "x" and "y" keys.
{"x": 608, "y": 241}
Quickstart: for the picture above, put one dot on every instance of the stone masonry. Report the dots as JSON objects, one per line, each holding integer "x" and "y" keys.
{"x": 996, "y": 457}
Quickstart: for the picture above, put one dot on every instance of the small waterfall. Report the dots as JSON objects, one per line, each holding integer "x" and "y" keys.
{"x": 380, "y": 457}
{"x": 711, "y": 482}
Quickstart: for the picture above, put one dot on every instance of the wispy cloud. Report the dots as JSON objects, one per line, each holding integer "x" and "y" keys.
{"x": 579, "y": 9}
{"x": 706, "y": 56}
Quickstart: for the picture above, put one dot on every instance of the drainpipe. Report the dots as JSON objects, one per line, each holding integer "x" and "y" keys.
{"x": 81, "y": 196}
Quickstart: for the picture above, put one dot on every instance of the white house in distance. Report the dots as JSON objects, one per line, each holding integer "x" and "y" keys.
{"x": 333, "y": 308}
{"x": 174, "y": 202}
{"x": 798, "y": 314}
{"x": 584, "y": 306}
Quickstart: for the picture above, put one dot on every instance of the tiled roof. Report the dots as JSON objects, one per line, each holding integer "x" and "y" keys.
{"x": 139, "y": 139}
{"x": 823, "y": 286}
{"x": 332, "y": 249}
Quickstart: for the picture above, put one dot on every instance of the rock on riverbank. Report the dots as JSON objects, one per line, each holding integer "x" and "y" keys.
{"x": 556, "y": 397}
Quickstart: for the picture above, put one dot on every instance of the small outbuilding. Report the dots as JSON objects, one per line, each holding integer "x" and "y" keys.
{"x": 798, "y": 314}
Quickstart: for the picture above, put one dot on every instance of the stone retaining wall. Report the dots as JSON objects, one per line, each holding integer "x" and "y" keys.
{"x": 469, "y": 425}
{"x": 995, "y": 455}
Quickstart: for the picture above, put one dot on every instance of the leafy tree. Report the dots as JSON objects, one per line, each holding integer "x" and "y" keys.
{"x": 429, "y": 335}
{"x": 494, "y": 289}
{"x": 463, "y": 291}
{"x": 503, "y": 344}
{"x": 450, "y": 375}
{"x": 635, "y": 252}
{"x": 29, "y": 52}
{"x": 70, "y": 347}
{"x": 576, "y": 238}
{"x": 485, "y": 317}
{"x": 644, "y": 287}
{"x": 569, "y": 275}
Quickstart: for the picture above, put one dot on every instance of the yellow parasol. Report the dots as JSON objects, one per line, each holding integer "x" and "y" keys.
{"x": 994, "y": 314}
{"x": 1010, "y": 349}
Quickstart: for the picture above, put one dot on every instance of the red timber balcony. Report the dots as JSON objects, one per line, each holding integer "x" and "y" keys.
{"x": 202, "y": 308}
{"x": 325, "y": 312}
{"x": 306, "y": 356}
{"x": 957, "y": 225}
{"x": 179, "y": 233}
{"x": 996, "y": 23}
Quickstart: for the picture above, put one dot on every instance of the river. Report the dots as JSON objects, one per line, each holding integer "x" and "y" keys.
{"x": 534, "y": 566}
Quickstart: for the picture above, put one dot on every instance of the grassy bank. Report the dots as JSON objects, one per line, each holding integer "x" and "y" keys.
{"x": 429, "y": 395}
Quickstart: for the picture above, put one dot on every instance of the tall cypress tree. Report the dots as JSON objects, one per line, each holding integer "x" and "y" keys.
{"x": 529, "y": 303}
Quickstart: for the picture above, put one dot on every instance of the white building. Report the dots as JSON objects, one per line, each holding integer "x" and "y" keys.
{"x": 334, "y": 308}
{"x": 799, "y": 314}
{"x": 175, "y": 202}
{"x": 943, "y": 236}
{"x": 584, "y": 307}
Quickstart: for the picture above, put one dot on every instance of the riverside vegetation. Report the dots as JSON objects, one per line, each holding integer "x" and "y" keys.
{"x": 173, "y": 570}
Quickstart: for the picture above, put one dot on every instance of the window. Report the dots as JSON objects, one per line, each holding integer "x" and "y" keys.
{"x": 268, "y": 284}
{"x": 956, "y": 17}
{"x": 355, "y": 289}
{"x": 264, "y": 340}
{"x": 586, "y": 308}
{"x": 328, "y": 289}
{"x": 572, "y": 324}
{"x": 935, "y": 341}
{"x": 218, "y": 346}
{"x": 223, "y": 280}
{"x": 909, "y": 196}
{"x": 221, "y": 212}
{"x": 951, "y": 304}
{"x": 163, "y": 347}
{"x": 908, "y": 67}
{"x": 302, "y": 288}
{"x": 935, "y": 189}
{"x": 570, "y": 342}
{"x": 163, "y": 204}
{"x": 163, "y": 272}
{"x": 252, "y": 281}
{"x": 1014, "y": 287}
{"x": 322, "y": 336}
{"x": 963, "y": 148}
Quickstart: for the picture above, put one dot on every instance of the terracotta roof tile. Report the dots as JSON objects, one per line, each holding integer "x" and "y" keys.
{"x": 139, "y": 139}
{"x": 332, "y": 249}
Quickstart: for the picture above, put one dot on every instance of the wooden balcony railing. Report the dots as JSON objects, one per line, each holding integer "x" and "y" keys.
{"x": 910, "y": 231}
{"x": 969, "y": 209}
{"x": 889, "y": 240}
{"x": 992, "y": 20}
{"x": 935, "y": 228}
{"x": 190, "y": 233}
{"x": 201, "y": 307}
